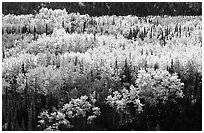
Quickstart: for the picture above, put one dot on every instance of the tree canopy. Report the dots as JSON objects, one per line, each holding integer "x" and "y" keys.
{"x": 108, "y": 8}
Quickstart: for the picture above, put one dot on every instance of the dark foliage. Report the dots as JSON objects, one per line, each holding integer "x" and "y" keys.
{"x": 108, "y": 8}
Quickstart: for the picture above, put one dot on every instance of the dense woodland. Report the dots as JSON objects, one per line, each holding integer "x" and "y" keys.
{"x": 108, "y": 8}
{"x": 69, "y": 71}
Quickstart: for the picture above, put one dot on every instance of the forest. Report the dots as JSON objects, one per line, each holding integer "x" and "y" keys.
{"x": 108, "y": 8}
{"x": 95, "y": 67}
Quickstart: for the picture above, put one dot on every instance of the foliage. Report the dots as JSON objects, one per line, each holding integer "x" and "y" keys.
{"x": 152, "y": 87}
{"x": 126, "y": 103}
{"x": 158, "y": 86}
{"x": 108, "y": 8}
{"x": 72, "y": 112}
{"x": 135, "y": 65}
